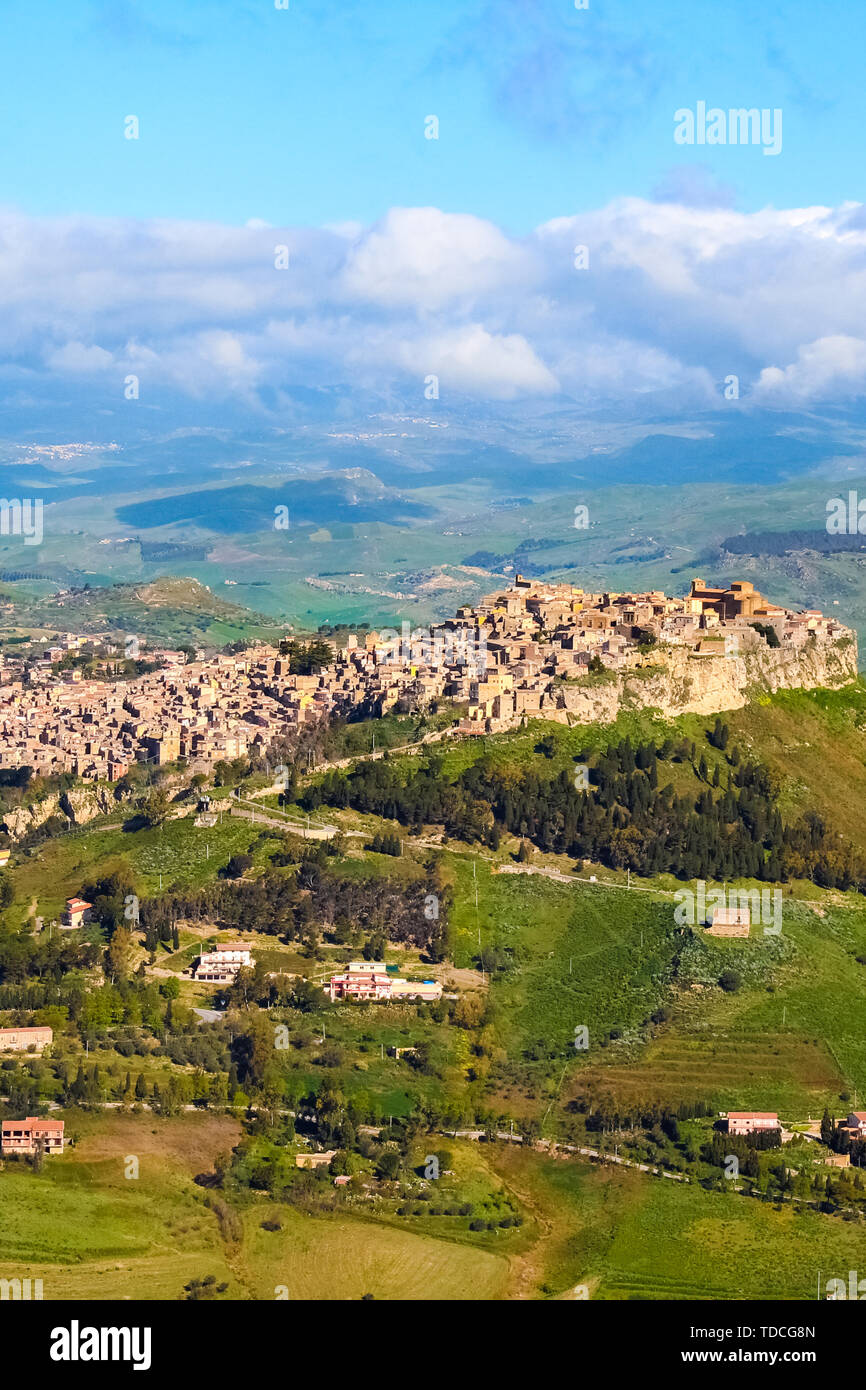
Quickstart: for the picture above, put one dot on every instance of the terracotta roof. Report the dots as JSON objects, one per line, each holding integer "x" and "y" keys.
{"x": 35, "y": 1124}
{"x": 752, "y": 1115}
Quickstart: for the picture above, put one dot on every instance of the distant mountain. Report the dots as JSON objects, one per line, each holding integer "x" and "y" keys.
{"x": 171, "y": 609}
{"x": 786, "y": 542}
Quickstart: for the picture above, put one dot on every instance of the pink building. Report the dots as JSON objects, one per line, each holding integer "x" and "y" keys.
{"x": 20, "y": 1039}
{"x": 26, "y": 1136}
{"x": 751, "y": 1121}
{"x": 355, "y": 984}
{"x": 370, "y": 980}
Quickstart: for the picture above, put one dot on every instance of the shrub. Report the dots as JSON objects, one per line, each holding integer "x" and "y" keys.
{"x": 238, "y": 865}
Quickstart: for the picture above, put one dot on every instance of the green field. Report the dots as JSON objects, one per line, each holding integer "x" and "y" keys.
{"x": 177, "y": 853}
{"x": 343, "y": 1259}
{"x": 788, "y": 1040}
{"x": 627, "y": 1236}
{"x": 88, "y": 1231}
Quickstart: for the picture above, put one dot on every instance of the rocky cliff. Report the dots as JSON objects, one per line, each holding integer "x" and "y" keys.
{"x": 76, "y": 806}
{"x": 678, "y": 681}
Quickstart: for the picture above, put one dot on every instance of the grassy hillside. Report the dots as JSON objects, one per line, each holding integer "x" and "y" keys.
{"x": 89, "y": 1231}
{"x": 558, "y": 952}
{"x": 625, "y": 1236}
{"x": 815, "y": 740}
{"x": 175, "y": 611}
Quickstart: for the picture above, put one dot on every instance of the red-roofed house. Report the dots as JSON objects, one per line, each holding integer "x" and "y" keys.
{"x": 357, "y": 984}
{"x": 77, "y": 913}
{"x": 751, "y": 1121}
{"x": 26, "y": 1136}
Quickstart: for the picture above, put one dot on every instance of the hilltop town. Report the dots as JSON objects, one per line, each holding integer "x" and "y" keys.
{"x": 532, "y": 649}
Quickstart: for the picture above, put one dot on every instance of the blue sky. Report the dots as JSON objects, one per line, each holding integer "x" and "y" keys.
{"x": 315, "y": 115}
{"x": 410, "y": 259}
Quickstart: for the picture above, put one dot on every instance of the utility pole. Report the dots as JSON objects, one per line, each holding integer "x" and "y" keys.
{"x": 477, "y": 921}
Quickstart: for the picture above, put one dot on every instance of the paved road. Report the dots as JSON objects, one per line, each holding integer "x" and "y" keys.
{"x": 548, "y": 1146}
{"x": 560, "y": 877}
{"x": 249, "y": 810}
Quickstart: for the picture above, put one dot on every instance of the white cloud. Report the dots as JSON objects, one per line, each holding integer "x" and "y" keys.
{"x": 830, "y": 366}
{"x": 426, "y": 258}
{"x": 77, "y": 357}
{"x": 477, "y": 363}
{"x": 675, "y": 297}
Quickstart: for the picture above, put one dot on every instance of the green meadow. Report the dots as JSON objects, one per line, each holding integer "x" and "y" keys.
{"x": 175, "y": 854}
{"x": 625, "y": 1235}
{"x": 91, "y": 1229}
